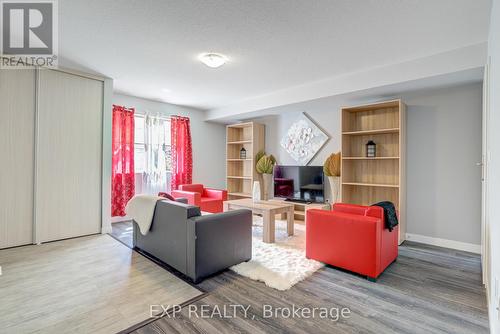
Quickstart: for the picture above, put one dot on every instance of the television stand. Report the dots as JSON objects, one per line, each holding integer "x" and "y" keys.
{"x": 300, "y": 208}
{"x": 297, "y": 200}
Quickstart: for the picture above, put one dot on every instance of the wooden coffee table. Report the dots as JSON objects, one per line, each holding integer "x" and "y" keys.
{"x": 268, "y": 210}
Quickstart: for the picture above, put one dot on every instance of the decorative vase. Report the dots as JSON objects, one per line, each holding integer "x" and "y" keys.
{"x": 256, "y": 191}
{"x": 267, "y": 179}
{"x": 334, "y": 187}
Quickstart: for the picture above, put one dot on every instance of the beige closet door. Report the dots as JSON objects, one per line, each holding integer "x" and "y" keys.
{"x": 17, "y": 128}
{"x": 68, "y": 178}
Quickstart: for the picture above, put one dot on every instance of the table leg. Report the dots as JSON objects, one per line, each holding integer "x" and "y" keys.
{"x": 290, "y": 221}
{"x": 268, "y": 226}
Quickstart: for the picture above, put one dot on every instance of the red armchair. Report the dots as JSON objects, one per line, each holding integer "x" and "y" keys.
{"x": 209, "y": 200}
{"x": 351, "y": 237}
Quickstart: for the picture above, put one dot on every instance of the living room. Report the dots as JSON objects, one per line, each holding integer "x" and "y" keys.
{"x": 227, "y": 166}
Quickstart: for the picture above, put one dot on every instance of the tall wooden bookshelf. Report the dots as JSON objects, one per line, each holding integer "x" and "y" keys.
{"x": 241, "y": 173}
{"x": 364, "y": 180}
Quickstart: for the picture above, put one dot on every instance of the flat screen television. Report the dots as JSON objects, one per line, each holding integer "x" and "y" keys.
{"x": 299, "y": 183}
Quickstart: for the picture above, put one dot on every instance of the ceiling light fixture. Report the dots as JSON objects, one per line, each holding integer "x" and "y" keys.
{"x": 166, "y": 90}
{"x": 213, "y": 60}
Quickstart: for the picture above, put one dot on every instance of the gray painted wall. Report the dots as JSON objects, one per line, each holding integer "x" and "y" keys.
{"x": 208, "y": 139}
{"x": 444, "y": 144}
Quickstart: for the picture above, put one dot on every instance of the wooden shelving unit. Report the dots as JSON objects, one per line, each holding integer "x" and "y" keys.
{"x": 366, "y": 181}
{"x": 240, "y": 173}
{"x": 300, "y": 209}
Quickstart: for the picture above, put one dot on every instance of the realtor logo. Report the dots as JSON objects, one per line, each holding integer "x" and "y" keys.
{"x": 29, "y": 33}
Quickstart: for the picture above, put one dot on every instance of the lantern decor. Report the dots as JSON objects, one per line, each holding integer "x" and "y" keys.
{"x": 243, "y": 153}
{"x": 371, "y": 149}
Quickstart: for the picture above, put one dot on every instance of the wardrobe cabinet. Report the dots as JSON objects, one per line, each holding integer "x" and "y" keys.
{"x": 68, "y": 170}
{"x": 51, "y": 149}
{"x": 17, "y": 133}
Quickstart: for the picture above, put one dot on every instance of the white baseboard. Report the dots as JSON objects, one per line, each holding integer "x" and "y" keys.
{"x": 106, "y": 229}
{"x": 119, "y": 219}
{"x": 463, "y": 246}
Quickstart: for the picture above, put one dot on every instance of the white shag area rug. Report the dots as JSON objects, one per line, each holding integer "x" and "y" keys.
{"x": 279, "y": 265}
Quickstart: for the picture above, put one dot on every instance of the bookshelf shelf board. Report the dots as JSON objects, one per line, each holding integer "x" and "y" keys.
{"x": 366, "y": 158}
{"x": 370, "y": 185}
{"x": 239, "y": 142}
{"x": 240, "y": 194}
{"x": 370, "y": 132}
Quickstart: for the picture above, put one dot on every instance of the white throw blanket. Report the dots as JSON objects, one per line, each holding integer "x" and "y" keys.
{"x": 141, "y": 209}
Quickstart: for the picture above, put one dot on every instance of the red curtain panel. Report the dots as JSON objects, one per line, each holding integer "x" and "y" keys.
{"x": 123, "y": 177}
{"x": 182, "y": 154}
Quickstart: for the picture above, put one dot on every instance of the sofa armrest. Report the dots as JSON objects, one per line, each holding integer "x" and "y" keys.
{"x": 218, "y": 241}
{"x": 193, "y": 198}
{"x": 192, "y": 187}
{"x": 375, "y": 211}
{"x": 216, "y": 193}
{"x": 182, "y": 200}
{"x": 350, "y": 208}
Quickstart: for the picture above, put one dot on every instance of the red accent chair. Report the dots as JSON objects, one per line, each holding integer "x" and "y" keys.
{"x": 351, "y": 237}
{"x": 209, "y": 200}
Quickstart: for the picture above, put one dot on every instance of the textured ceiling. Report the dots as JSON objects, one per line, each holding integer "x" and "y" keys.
{"x": 151, "y": 45}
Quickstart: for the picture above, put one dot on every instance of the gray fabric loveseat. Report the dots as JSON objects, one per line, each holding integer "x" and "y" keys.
{"x": 196, "y": 245}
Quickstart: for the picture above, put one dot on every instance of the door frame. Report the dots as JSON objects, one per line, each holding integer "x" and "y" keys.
{"x": 485, "y": 235}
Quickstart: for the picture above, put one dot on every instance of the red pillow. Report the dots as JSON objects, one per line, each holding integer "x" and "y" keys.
{"x": 166, "y": 195}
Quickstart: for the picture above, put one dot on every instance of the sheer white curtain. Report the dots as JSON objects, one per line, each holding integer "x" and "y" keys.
{"x": 155, "y": 176}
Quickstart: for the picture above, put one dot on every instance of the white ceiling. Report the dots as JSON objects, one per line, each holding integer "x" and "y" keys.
{"x": 364, "y": 96}
{"x": 150, "y": 45}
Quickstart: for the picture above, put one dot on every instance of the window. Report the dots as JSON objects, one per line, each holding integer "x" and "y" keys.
{"x": 139, "y": 145}
{"x": 149, "y": 140}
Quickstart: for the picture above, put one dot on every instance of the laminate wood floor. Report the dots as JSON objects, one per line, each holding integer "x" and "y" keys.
{"x": 124, "y": 232}
{"x": 428, "y": 290}
{"x": 92, "y": 284}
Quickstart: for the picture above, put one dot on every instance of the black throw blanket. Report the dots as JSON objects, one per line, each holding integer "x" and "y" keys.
{"x": 390, "y": 216}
